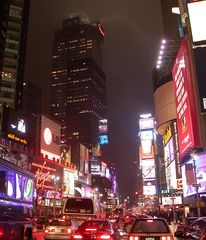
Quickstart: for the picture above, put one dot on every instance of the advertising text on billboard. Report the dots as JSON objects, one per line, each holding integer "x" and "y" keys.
{"x": 185, "y": 101}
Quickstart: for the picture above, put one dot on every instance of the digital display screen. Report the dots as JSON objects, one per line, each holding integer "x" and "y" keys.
{"x": 177, "y": 200}
{"x": 146, "y": 135}
{"x": 197, "y": 18}
{"x": 188, "y": 184}
{"x": 146, "y": 149}
{"x": 18, "y": 186}
{"x": 148, "y": 169}
{"x": 149, "y": 190}
{"x": 171, "y": 176}
{"x": 169, "y": 152}
{"x": 146, "y": 123}
{"x": 50, "y": 138}
{"x": 103, "y": 139}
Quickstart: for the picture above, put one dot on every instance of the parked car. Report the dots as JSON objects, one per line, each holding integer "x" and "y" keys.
{"x": 17, "y": 228}
{"x": 185, "y": 224}
{"x": 196, "y": 231}
{"x": 97, "y": 229}
{"x": 60, "y": 229}
{"x": 150, "y": 229}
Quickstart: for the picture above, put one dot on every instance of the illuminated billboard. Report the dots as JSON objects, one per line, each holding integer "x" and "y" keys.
{"x": 197, "y": 18}
{"x": 188, "y": 178}
{"x": 18, "y": 127}
{"x": 146, "y": 123}
{"x": 169, "y": 152}
{"x": 84, "y": 159}
{"x": 171, "y": 176}
{"x": 103, "y": 129}
{"x": 68, "y": 183}
{"x": 103, "y": 139}
{"x": 17, "y": 186}
{"x": 50, "y": 138}
{"x": 146, "y": 149}
{"x": 175, "y": 200}
{"x": 149, "y": 189}
{"x": 185, "y": 101}
{"x": 148, "y": 169}
{"x": 95, "y": 167}
{"x": 146, "y": 135}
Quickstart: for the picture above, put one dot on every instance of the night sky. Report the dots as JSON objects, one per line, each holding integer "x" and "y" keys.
{"x": 133, "y": 31}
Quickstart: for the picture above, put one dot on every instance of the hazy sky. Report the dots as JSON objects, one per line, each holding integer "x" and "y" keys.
{"x": 133, "y": 30}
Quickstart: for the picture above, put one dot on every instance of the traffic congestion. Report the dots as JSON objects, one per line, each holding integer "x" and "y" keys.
{"x": 78, "y": 220}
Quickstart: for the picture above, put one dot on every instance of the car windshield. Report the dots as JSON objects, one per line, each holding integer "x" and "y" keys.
{"x": 60, "y": 222}
{"x": 150, "y": 226}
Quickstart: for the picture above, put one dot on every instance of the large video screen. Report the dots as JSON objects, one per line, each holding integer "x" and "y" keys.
{"x": 50, "y": 138}
{"x": 149, "y": 190}
{"x": 148, "y": 169}
{"x": 171, "y": 176}
{"x": 146, "y": 123}
{"x": 19, "y": 127}
{"x": 18, "y": 186}
{"x": 197, "y": 18}
{"x": 188, "y": 178}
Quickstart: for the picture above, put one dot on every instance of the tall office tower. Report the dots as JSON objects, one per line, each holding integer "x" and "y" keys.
{"x": 78, "y": 95}
{"x": 32, "y": 99}
{"x": 14, "y": 16}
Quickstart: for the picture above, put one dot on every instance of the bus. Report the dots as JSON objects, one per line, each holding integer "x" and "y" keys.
{"x": 81, "y": 208}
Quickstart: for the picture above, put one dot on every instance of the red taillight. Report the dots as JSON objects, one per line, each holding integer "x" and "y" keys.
{"x": 1, "y": 233}
{"x": 105, "y": 236}
{"x": 46, "y": 230}
{"x": 149, "y": 221}
{"x": 77, "y": 236}
{"x": 166, "y": 238}
{"x": 90, "y": 229}
{"x": 69, "y": 230}
{"x": 134, "y": 238}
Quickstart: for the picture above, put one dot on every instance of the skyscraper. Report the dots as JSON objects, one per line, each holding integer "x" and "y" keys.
{"x": 78, "y": 84}
{"x": 14, "y": 16}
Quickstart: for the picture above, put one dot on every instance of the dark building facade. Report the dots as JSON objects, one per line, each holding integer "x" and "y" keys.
{"x": 32, "y": 99}
{"x": 78, "y": 95}
{"x": 14, "y": 15}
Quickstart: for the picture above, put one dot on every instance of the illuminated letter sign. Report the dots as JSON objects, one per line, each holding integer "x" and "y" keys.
{"x": 185, "y": 101}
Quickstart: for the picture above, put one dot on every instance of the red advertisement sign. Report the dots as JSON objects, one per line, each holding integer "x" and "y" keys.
{"x": 185, "y": 102}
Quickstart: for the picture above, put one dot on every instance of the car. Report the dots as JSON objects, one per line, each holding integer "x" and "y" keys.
{"x": 60, "y": 229}
{"x": 185, "y": 224}
{"x": 123, "y": 224}
{"x": 150, "y": 229}
{"x": 41, "y": 222}
{"x": 97, "y": 229}
{"x": 15, "y": 227}
{"x": 196, "y": 230}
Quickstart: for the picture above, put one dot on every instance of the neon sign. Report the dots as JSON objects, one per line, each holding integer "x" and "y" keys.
{"x": 18, "y": 139}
